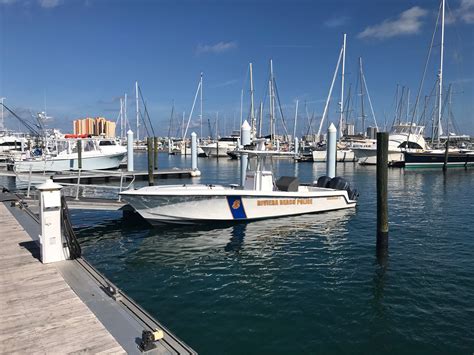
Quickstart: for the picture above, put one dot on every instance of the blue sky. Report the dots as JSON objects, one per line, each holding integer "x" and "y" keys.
{"x": 80, "y": 56}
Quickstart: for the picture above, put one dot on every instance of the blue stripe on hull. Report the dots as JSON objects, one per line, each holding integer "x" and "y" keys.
{"x": 236, "y": 207}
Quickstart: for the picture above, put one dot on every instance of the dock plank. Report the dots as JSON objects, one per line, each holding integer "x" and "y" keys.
{"x": 39, "y": 312}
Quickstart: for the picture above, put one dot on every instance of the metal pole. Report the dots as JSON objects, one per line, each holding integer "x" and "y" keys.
{"x": 200, "y": 115}
{"x": 193, "y": 151}
{"x": 252, "y": 118}
{"x": 245, "y": 139}
{"x": 129, "y": 150}
{"x": 138, "y": 111}
{"x": 296, "y": 118}
{"x": 331, "y": 151}
{"x": 149, "y": 142}
{"x": 341, "y": 118}
{"x": 155, "y": 152}
{"x": 382, "y": 182}
{"x": 440, "y": 102}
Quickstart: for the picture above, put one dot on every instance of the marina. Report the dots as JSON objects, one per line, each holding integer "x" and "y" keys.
{"x": 259, "y": 179}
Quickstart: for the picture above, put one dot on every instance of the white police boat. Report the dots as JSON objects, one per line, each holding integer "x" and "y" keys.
{"x": 261, "y": 197}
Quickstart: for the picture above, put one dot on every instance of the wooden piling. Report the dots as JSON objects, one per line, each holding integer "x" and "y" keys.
{"x": 149, "y": 142}
{"x": 382, "y": 191}
{"x": 155, "y": 152}
{"x": 79, "y": 154}
{"x": 446, "y": 154}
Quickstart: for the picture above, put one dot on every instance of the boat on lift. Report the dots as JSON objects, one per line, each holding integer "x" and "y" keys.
{"x": 261, "y": 197}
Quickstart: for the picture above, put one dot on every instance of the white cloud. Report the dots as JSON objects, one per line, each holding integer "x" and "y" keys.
{"x": 464, "y": 13}
{"x": 335, "y": 22}
{"x": 225, "y": 83}
{"x": 217, "y": 48}
{"x": 408, "y": 22}
{"x": 49, "y": 3}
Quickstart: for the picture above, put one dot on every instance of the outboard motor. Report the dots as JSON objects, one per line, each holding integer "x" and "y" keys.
{"x": 323, "y": 181}
{"x": 339, "y": 183}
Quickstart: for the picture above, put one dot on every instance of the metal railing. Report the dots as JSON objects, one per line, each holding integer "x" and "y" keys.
{"x": 78, "y": 185}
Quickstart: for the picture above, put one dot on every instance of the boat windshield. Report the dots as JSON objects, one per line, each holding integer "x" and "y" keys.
{"x": 260, "y": 163}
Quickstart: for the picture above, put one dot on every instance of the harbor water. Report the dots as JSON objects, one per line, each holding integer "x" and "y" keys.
{"x": 308, "y": 284}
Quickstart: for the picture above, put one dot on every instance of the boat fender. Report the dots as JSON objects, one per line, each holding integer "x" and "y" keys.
{"x": 323, "y": 181}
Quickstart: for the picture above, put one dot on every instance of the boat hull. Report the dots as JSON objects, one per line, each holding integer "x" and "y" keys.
{"x": 368, "y": 156}
{"x": 232, "y": 207}
{"x": 96, "y": 162}
{"x": 342, "y": 156}
{"x": 434, "y": 160}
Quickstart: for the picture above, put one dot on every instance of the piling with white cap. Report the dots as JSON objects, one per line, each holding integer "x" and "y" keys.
{"x": 331, "y": 151}
{"x": 129, "y": 150}
{"x": 194, "y": 151}
{"x": 245, "y": 139}
{"x": 297, "y": 146}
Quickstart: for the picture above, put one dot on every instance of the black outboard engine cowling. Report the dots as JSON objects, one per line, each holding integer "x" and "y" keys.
{"x": 339, "y": 183}
{"x": 323, "y": 181}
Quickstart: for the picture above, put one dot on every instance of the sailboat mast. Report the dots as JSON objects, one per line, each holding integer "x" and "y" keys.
{"x": 260, "y": 120}
{"x": 125, "y": 118}
{"x": 252, "y": 110}
{"x": 2, "y": 122}
{"x": 296, "y": 118}
{"x": 440, "y": 93}
{"x": 272, "y": 102}
{"x": 200, "y": 114}
{"x": 342, "y": 86}
{"x": 362, "y": 97}
{"x": 121, "y": 118}
{"x": 137, "y": 111}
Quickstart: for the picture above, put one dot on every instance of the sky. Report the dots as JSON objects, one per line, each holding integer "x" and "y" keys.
{"x": 76, "y": 58}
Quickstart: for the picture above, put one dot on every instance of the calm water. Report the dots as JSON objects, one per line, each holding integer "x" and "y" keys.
{"x": 309, "y": 284}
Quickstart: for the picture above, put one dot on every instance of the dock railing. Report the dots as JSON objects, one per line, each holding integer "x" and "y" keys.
{"x": 78, "y": 185}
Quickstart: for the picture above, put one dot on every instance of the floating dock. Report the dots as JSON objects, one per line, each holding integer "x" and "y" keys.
{"x": 102, "y": 176}
{"x": 66, "y": 306}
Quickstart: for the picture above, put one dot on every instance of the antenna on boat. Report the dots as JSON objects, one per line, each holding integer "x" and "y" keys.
{"x": 341, "y": 103}
{"x": 137, "y": 111}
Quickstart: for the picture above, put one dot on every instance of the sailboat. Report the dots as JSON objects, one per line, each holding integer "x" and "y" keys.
{"x": 438, "y": 157}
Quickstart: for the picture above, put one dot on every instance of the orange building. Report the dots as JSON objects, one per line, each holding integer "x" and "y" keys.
{"x": 97, "y": 126}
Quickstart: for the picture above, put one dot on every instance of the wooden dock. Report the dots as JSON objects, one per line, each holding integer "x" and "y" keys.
{"x": 40, "y": 313}
{"x": 65, "y": 307}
